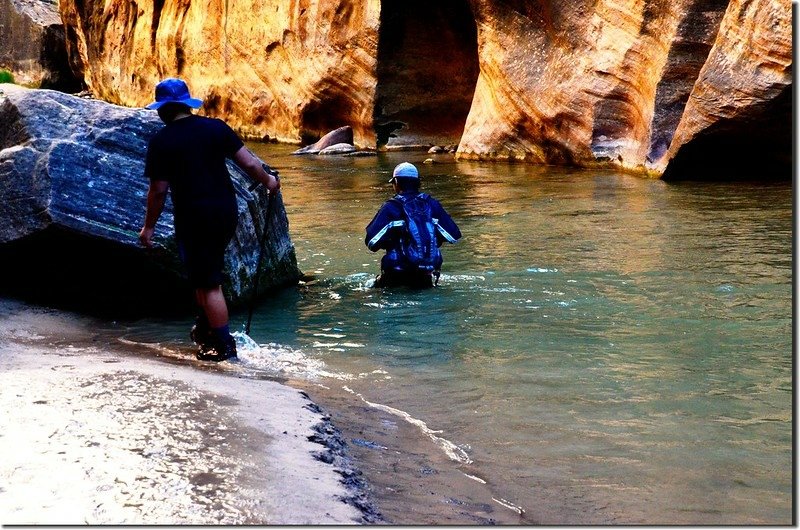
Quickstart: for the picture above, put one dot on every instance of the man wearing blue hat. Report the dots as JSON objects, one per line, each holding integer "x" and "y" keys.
{"x": 187, "y": 157}
{"x": 411, "y": 226}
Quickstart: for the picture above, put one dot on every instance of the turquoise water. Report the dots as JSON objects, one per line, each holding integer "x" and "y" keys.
{"x": 601, "y": 348}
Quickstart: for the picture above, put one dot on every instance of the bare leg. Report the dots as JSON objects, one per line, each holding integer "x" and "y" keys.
{"x": 220, "y": 344}
{"x": 213, "y": 303}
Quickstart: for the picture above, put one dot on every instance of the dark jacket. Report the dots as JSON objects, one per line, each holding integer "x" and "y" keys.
{"x": 387, "y": 228}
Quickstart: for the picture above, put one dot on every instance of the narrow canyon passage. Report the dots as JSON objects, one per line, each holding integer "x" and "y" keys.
{"x": 757, "y": 145}
{"x": 427, "y": 70}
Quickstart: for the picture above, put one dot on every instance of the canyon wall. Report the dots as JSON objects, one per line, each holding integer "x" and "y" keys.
{"x": 632, "y": 83}
{"x": 32, "y": 45}
{"x": 284, "y": 70}
{"x": 635, "y": 84}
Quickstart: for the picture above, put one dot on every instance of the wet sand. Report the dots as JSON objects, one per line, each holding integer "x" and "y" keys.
{"x": 101, "y": 431}
{"x": 409, "y": 477}
{"x": 99, "y": 434}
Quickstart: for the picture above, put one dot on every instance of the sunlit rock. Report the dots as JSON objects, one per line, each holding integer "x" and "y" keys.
{"x": 285, "y": 70}
{"x": 32, "y": 45}
{"x": 342, "y": 135}
{"x": 608, "y": 83}
{"x": 73, "y": 201}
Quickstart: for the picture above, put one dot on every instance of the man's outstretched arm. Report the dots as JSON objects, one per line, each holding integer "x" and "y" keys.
{"x": 252, "y": 166}
{"x": 156, "y": 196}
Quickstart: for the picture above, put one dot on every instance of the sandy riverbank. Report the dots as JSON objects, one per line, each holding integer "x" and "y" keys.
{"x": 101, "y": 430}
{"x": 93, "y": 434}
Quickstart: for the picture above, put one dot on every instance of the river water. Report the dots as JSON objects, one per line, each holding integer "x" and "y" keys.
{"x": 601, "y": 348}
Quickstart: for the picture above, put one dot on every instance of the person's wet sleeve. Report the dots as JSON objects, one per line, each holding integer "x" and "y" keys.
{"x": 380, "y": 229}
{"x": 446, "y": 228}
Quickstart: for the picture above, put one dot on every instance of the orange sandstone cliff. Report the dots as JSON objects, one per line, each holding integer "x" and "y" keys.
{"x": 661, "y": 87}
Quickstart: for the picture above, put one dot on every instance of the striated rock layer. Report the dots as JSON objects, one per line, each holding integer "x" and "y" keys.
{"x": 629, "y": 83}
{"x": 632, "y": 84}
{"x": 285, "y": 70}
{"x": 73, "y": 200}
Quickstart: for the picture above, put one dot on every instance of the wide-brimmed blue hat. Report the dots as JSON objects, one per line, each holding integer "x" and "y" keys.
{"x": 172, "y": 90}
{"x": 405, "y": 170}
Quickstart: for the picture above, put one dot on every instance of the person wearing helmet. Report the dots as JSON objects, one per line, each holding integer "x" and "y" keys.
{"x": 187, "y": 157}
{"x": 411, "y": 226}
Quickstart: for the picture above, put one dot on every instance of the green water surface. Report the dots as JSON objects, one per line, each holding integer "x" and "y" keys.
{"x": 603, "y": 348}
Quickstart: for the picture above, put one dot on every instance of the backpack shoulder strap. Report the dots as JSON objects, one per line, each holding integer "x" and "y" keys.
{"x": 400, "y": 201}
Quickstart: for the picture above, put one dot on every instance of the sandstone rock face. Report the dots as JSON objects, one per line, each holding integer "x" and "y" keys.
{"x": 739, "y": 114}
{"x": 612, "y": 81}
{"x": 32, "y": 45}
{"x": 289, "y": 70}
{"x": 630, "y": 84}
{"x": 73, "y": 201}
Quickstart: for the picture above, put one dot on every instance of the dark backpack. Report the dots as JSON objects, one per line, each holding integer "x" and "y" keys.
{"x": 419, "y": 245}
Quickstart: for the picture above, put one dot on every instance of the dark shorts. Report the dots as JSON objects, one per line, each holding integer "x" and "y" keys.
{"x": 202, "y": 241}
{"x": 414, "y": 280}
{"x": 394, "y": 272}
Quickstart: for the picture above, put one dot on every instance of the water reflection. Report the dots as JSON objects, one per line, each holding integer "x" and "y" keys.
{"x": 608, "y": 348}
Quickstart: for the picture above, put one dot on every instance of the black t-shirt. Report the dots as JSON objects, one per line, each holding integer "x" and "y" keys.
{"x": 190, "y": 154}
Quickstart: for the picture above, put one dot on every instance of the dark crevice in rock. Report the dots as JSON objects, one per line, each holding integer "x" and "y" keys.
{"x": 687, "y": 55}
{"x": 329, "y": 110}
{"x": 55, "y": 61}
{"x": 158, "y": 6}
{"x": 427, "y": 70}
{"x": 756, "y": 146}
{"x": 75, "y": 271}
{"x": 74, "y": 60}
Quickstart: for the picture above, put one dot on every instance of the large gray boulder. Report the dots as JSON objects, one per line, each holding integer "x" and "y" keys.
{"x": 72, "y": 202}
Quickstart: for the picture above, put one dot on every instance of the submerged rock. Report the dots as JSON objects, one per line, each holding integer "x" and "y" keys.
{"x": 73, "y": 201}
{"x": 338, "y": 149}
{"x": 342, "y": 135}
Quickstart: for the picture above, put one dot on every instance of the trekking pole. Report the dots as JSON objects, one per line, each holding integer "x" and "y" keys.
{"x": 262, "y": 244}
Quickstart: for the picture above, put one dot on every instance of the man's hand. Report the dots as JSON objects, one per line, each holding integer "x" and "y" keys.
{"x": 259, "y": 172}
{"x": 146, "y": 237}
{"x": 275, "y": 182}
{"x": 156, "y": 195}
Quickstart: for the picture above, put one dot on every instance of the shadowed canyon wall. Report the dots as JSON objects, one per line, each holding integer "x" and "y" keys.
{"x": 426, "y": 72}
{"x": 645, "y": 85}
{"x": 32, "y": 45}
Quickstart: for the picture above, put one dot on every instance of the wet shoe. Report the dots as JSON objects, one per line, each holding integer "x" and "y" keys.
{"x": 218, "y": 349}
{"x": 212, "y": 355}
{"x": 200, "y": 332}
